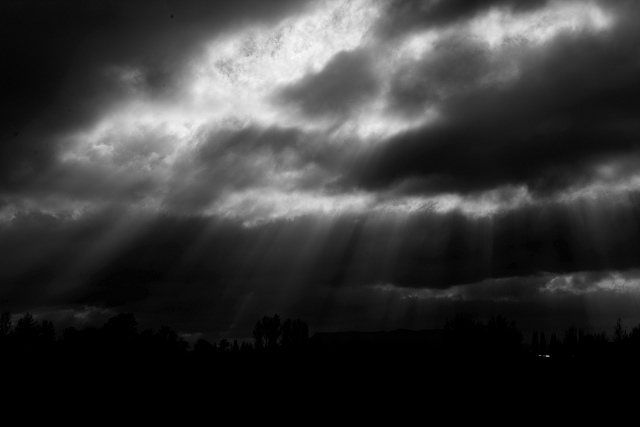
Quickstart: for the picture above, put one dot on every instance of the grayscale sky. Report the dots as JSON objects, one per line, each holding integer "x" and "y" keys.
{"x": 360, "y": 165}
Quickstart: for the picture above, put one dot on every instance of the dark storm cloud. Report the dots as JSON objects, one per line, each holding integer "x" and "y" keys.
{"x": 239, "y": 159}
{"x": 573, "y": 106}
{"x": 403, "y": 17}
{"x": 343, "y": 84}
{"x": 457, "y": 63}
{"x": 57, "y": 59}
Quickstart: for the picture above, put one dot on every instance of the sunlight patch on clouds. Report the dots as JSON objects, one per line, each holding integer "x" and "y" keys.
{"x": 487, "y": 51}
{"x": 374, "y": 122}
{"x": 156, "y": 131}
{"x": 240, "y": 72}
{"x": 615, "y": 189}
{"x": 256, "y": 206}
{"x": 53, "y": 207}
{"x": 513, "y": 289}
{"x": 499, "y": 26}
{"x": 419, "y": 294}
{"x": 581, "y": 284}
{"x": 486, "y": 203}
{"x": 480, "y": 205}
{"x": 143, "y": 141}
{"x": 255, "y": 59}
{"x": 496, "y": 290}
{"x": 416, "y": 45}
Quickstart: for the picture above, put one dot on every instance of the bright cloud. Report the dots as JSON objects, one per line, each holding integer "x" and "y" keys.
{"x": 147, "y": 145}
{"x": 583, "y": 284}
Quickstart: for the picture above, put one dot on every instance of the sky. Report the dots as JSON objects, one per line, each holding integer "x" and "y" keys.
{"x": 359, "y": 165}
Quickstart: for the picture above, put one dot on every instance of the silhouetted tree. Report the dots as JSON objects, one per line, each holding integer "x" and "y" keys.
{"x": 634, "y": 340}
{"x": 635, "y": 333}
{"x": 570, "y": 341}
{"x": 27, "y": 330}
{"x": 554, "y": 345}
{"x": 601, "y": 337}
{"x": 286, "y": 333}
{"x": 88, "y": 340}
{"x": 634, "y": 336}
{"x": 295, "y": 333}
{"x": 169, "y": 342}
{"x": 69, "y": 335}
{"x": 593, "y": 345}
{"x": 502, "y": 336}
{"x": 224, "y": 344}
{"x": 272, "y": 330}
{"x": 258, "y": 336}
{"x": 535, "y": 345}
{"x": 203, "y": 347}
{"x": 119, "y": 337}
{"x": 270, "y": 333}
{"x": 543, "y": 344}
{"x": 619, "y": 332}
{"x": 121, "y": 327}
{"x": 47, "y": 333}
{"x": 5, "y": 324}
{"x": 463, "y": 336}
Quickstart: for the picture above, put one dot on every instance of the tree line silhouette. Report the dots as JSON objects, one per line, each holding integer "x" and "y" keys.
{"x": 119, "y": 339}
{"x": 574, "y": 343}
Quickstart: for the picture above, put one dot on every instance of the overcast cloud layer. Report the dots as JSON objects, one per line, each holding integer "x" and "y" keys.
{"x": 359, "y": 164}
